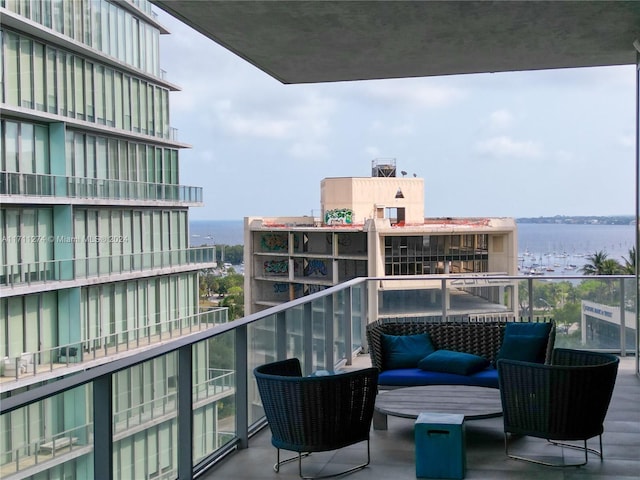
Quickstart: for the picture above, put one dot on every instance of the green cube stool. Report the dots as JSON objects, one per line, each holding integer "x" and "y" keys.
{"x": 440, "y": 446}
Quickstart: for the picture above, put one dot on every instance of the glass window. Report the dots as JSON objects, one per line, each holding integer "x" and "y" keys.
{"x": 52, "y": 105}
{"x": 46, "y": 13}
{"x": 135, "y": 105}
{"x": 79, "y": 85}
{"x": 113, "y": 31}
{"x": 117, "y": 100}
{"x": 126, "y": 103}
{"x": 69, "y": 87}
{"x": 12, "y": 68}
{"x": 109, "y": 101}
{"x": 39, "y": 76}
{"x": 58, "y": 15}
{"x": 79, "y": 169}
{"x": 112, "y": 163}
{"x": 10, "y": 142}
{"x": 89, "y": 91}
{"x": 99, "y": 94}
{"x": 143, "y": 107}
{"x": 68, "y": 18}
{"x": 27, "y": 148}
{"x": 78, "y": 16}
{"x": 26, "y": 73}
{"x": 101, "y": 157}
{"x": 91, "y": 157}
{"x": 121, "y": 33}
{"x": 42, "y": 149}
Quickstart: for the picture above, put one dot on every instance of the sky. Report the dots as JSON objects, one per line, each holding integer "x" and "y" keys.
{"x": 515, "y": 144}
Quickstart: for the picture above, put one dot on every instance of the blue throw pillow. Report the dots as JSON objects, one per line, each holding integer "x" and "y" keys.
{"x": 538, "y": 329}
{"x": 448, "y": 361}
{"x": 404, "y": 351}
{"x": 526, "y": 348}
{"x": 525, "y": 341}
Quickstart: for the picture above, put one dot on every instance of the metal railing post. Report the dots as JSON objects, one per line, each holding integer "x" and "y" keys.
{"x": 623, "y": 328}
{"x": 329, "y": 336}
{"x": 242, "y": 386}
{"x": 307, "y": 337}
{"x": 103, "y": 428}
{"x": 281, "y": 336}
{"x": 348, "y": 326}
{"x": 185, "y": 413}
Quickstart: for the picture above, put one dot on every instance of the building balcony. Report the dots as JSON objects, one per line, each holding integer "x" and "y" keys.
{"x": 17, "y": 371}
{"x": 204, "y": 432}
{"x": 30, "y": 277}
{"x": 52, "y": 189}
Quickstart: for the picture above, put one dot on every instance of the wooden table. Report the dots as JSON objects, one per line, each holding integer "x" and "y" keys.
{"x": 409, "y": 402}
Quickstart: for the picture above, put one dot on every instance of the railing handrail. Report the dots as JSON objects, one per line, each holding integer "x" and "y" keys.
{"x": 38, "y": 393}
{"x": 63, "y": 186}
{"x": 103, "y": 339}
{"x": 103, "y": 257}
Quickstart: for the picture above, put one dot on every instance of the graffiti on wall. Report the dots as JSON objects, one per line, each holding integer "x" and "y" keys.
{"x": 279, "y": 288}
{"x": 316, "y": 267}
{"x": 274, "y": 242}
{"x": 276, "y": 267}
{"x": 338, "y": 216}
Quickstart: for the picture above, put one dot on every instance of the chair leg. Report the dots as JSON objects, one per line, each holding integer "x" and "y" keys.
{"x": 584, "y": 448}
{"x": 299, "y": 457}
{"x": 276, "y": 467}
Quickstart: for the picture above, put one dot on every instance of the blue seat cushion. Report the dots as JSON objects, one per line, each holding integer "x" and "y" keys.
{"x": 448, "y": 361}
{"x": 411, "y": 377}
{"x": 404, "y": 351}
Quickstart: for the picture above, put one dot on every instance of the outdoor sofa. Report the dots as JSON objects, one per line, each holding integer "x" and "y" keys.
{"x": 428, "y": 351}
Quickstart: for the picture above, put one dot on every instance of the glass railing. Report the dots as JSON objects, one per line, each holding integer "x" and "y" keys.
{"x": 80, "y": 268}
{"x": 193, "y": 399}
{"x": 42, "y": 185}
{"x": 154, "y": 330}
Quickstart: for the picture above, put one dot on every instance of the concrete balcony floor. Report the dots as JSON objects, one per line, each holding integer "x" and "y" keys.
{"x": 393, "y": 454}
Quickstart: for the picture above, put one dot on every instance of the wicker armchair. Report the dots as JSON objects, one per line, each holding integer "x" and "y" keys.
{"x": 564, "y": 401}
{"x": 316, "y": 414}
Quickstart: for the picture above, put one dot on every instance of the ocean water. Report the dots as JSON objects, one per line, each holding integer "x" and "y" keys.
{"x": 557, "y": 247}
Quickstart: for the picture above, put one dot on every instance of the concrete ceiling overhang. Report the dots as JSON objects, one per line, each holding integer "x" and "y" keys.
{"x": 327, "y": 41}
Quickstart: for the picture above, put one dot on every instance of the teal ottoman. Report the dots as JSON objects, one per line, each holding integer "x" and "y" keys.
{"x": 440, "y": 451}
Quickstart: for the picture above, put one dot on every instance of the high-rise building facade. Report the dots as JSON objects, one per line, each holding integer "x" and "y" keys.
{"x": 95, "y": 262}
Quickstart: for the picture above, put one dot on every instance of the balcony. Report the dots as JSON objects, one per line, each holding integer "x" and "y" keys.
{"x": 208, "y": 419}
{"x": 81, "y": 190}
{"x": 30, "y": 275}
{"x": 33, "y": 367}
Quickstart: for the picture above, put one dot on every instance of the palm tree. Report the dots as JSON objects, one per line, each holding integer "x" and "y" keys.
{"x": 601, "y": 264}
{"x": 629, "y": 266}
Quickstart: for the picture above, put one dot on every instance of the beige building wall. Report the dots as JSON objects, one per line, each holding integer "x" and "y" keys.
{"x": 369, "y": 197}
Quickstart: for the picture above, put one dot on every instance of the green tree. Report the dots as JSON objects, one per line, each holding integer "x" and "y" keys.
{"x": 629, "y": 267}
{"x": 599, "y": 263}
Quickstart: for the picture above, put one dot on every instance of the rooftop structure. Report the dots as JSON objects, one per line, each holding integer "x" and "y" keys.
{"x": 375, "y": 226}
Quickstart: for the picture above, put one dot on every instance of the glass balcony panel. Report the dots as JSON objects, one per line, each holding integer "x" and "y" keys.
{"x": 214, "y": 395}
{"x": 57, "y": 430}
{"x": 262, "y": 348}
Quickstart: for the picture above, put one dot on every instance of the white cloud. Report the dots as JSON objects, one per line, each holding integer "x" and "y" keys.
{"x": 308, "y": 150}
{"x": 415, "y": 92}
{"x": 627, "y": 140}
{"x": 500, "y": 119}
{"x": 504, "y": 146}
{"x": 373, "y": 152}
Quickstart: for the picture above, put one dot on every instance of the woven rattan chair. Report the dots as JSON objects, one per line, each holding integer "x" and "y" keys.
{"x": 564, "y": 401}
{"x": 316, "y": 413}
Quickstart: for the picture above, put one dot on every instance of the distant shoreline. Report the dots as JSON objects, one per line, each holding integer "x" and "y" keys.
{"x": 581, "y": 220}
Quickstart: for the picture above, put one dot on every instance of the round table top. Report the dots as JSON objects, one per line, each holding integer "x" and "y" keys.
{"x": 470, "y": 401}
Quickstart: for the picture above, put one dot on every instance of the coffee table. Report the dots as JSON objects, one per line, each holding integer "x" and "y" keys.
{"x": 409, "y": 402}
